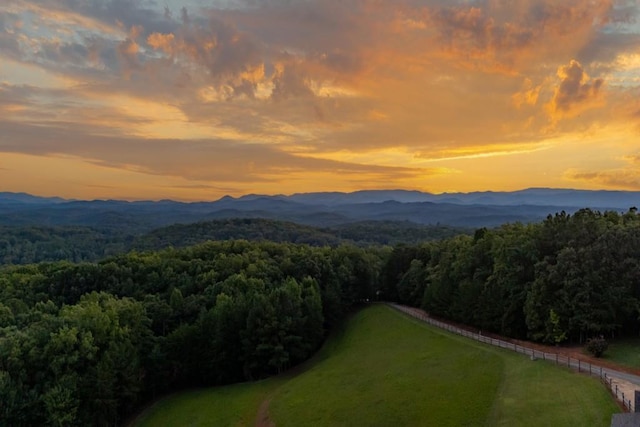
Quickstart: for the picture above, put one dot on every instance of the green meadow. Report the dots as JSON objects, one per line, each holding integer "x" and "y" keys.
{"x": 624, "y": 352}
{"x": 387, "y": 369}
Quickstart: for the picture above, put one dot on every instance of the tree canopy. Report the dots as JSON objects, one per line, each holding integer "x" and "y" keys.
{"x": 570, "y": 277}
{"x": 86, "y": 343}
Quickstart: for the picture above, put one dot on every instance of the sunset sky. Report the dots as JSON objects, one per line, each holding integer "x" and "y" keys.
{"x": 195, "y": 99}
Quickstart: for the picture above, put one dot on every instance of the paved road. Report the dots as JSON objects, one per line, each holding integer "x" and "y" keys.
{"x": 607, "y": 374}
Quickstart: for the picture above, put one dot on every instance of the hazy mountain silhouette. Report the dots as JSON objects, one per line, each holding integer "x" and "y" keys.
{"x": 474, "y": 209}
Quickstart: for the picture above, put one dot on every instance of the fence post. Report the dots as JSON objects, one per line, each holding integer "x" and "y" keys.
{"x": 578, "y": 365}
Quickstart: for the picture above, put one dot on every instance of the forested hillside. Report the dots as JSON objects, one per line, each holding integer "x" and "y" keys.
{"x": 570, "y": 277}
{"x": 32, "y": 244}
{"x": 85, "y": 344}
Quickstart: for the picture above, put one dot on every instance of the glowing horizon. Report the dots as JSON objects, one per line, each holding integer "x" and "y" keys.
{"x": 197, "y": 100}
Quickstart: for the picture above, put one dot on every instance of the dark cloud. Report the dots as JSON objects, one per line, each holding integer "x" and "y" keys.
{"x": 184, "y": 14}
{"x": 308, "y": 25}
{"x": 624, "y": 12}
{"x": 617, "y": 35}
{"x": 500, "y": 34}
{"x": 229, "y": 56}
{"x": 575, "y": 87}
{"x": 288, "y": 83}
{"x": 604, "y": 47}
{"x": 9, "y": 22}
{"x": 9, "y": 27}
{"x": 128, "y": 13}
{"x": 331, "y": 39}
{"x": 477, "y": 28}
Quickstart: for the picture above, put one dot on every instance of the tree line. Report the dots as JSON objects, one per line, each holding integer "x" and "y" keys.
{"x": 87, "y": 343}
{"x": 569, "y": 278}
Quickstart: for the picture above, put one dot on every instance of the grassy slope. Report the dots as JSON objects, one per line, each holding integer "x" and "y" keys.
{"x": 540, "y": 394}
{"x": 624, "y": 352}
{"x": 234, "y": 405}
{"x": 386, "y": 369}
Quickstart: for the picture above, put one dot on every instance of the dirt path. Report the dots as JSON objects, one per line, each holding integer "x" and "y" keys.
{"x": 262, "y": 419}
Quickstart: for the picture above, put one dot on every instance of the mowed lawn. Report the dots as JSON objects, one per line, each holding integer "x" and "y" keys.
{"x": 386, "y": 369}
{"x": 624, "y": 352}
{"x": 235, "y": 405}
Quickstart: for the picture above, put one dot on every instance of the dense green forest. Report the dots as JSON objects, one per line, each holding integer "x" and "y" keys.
{"x": 33, "y": 244}
{"x": 85, "y": 344}
{"x": 88, "y": 343}
{"x": 570, "y": 277}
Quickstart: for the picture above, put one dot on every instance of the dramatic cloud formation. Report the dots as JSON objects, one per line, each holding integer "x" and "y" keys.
{"x": 195, "y": 99}
{"x": 575, "y": 87}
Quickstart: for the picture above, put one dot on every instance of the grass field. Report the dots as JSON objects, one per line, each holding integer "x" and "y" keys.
{"x": 624, "y": 352}
{"x": 387, "y": 369}
{"x": 234, "y": 405}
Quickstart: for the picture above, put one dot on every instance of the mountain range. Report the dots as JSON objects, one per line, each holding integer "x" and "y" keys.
{"x": 476, "y": 209}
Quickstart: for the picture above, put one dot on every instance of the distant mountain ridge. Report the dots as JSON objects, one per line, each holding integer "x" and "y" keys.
{"x": 594, "y": 199}
{"x": 476, "y": 209}
{"x": 8, "y": 197}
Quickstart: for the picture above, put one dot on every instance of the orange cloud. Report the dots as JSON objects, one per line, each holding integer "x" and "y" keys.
{"x": 528, "y": 95}
{"x": 576, "y": 88}
{"x": 164, "y": 42}
{"x": 628, "y": 179}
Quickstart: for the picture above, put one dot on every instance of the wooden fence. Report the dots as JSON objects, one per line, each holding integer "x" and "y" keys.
{"x": 534, "y": 354}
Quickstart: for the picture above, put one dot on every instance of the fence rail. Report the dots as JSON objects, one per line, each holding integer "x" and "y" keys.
{"x": 559, "y": 359}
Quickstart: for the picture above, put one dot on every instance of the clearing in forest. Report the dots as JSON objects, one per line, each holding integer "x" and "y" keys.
{"x": 386, "y": 369}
